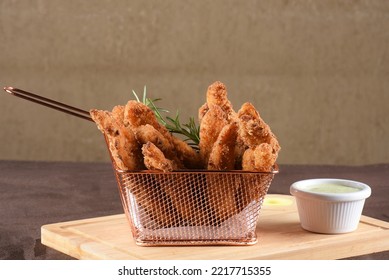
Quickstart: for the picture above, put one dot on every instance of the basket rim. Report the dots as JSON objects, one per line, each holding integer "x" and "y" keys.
{"x": 195, "y": 171}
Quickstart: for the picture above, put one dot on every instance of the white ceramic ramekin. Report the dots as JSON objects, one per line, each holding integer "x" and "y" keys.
{"x": 329, "y": 212}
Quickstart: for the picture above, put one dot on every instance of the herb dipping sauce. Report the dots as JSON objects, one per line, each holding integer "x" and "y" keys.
{"x": 331, "y": 188}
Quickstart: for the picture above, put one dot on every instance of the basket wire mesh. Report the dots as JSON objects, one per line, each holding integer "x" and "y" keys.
{"x": 193, "y": 207}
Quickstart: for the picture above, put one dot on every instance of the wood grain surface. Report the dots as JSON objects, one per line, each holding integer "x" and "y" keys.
{"x": 280, "y": 236}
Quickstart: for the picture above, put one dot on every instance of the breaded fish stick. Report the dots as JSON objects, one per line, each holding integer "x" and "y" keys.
{"x": 254, "y": 186}
{"x": 152, "y": 199}
{"x": 137, "y": 114}
{"x": 142, "y": 119}
{"x": 263, "y": 146}
{"x": 122, "y": 144}
{"x": 261, "y": 158}
{"x": 253, "y": 130}
{"x": 147, "y": 133}
{"x": 118, "y": 113}
{"x": 211, "y": 125}
{"x": 221, "y": 195}
{"x": 177, "y": 187}
{"x": 217, "y": 95}
{"x": 222, "y": 156}
{"x": 186, "y": 154}
{"x": 154, "y": 159}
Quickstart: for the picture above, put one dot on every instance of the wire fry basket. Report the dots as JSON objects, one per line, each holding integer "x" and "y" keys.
{"x": 193, "y": 207}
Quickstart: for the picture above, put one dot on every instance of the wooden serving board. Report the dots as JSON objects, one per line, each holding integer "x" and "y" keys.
{"x": 279, "y": 237}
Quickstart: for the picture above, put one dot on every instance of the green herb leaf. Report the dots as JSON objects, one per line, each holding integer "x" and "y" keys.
{"x": 190, "y": 130}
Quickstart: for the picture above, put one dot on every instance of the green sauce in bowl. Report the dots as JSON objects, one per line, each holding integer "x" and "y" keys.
{"x": 329, "y": 205}
{"x": 331, "y": 188}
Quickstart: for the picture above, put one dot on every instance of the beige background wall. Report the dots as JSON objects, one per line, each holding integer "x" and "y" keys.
{"x": 318, "y": 71}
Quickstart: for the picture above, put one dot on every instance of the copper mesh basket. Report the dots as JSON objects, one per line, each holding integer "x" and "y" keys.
{"x": 184, "y": 207}
{"x": 193, "y": 207}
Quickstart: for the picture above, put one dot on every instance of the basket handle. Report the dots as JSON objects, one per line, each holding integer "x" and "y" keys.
{"x": 49, "y": 103}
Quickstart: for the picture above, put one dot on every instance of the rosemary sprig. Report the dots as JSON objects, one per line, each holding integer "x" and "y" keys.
{"x": 190, "y": 130}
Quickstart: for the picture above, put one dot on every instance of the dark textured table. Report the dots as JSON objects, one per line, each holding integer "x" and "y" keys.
{"x": 33, "y": 194}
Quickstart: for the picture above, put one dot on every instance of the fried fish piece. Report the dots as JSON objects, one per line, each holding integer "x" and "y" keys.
{"x": 253, "y": 130}
{"x": 124, "y": 148}
{"x": 256, "y": 134}
{"x": 189, "y": 157}
{"x": 254, "y": 186}
{"x": 261, "y": 158}
{"x": 221, "y": 196}
{"x": 217, "y": 95}
{"x": 152, "y": 200}
{"x": 184, "y": 194}
{"x": 240, "y": 148}
{"x": 211, "y": 125}
{"x": 176, "y": 187}
{"x": 137, "y": 114}
{"x": 154, "y": 159}
{"x": 147, "y": 133}
{"x": 222, "y": 156}
{"x": 118, "y": 113}
{"x": 103, "y": 120}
